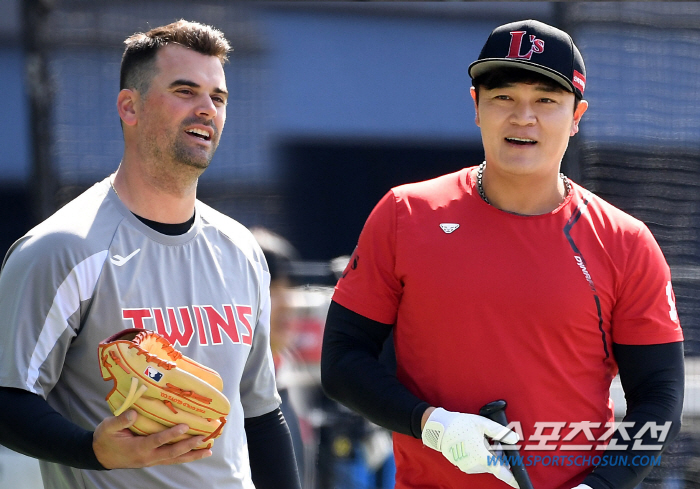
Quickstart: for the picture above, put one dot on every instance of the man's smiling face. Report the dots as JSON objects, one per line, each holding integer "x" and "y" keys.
{"x": 184, "y": 110}
{"x": 525, "y": 127}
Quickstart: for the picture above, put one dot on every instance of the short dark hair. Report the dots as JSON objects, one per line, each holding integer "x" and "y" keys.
{"x": 500, "y": 77}
{"x": 279, "y": 253}
{"x": 138, "y": 60}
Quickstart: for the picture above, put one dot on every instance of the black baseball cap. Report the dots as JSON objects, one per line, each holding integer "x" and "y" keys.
{"x": 535, "y": 46}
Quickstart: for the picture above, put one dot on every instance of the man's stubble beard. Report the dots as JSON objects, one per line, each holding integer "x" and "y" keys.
{"x": 181, "y": 156}
{"x": 180, "y": 153}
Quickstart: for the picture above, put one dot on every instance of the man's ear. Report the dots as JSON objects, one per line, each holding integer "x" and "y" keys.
{"x": 472, "y": 91}
{"x": 578, "y": 113}
{"x": 127, "y": 101}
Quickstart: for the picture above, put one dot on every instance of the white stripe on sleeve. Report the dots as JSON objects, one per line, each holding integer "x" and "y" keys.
{"x": 77, "y": 287}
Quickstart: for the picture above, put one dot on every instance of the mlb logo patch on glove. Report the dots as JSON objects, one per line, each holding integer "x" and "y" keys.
{"x": 162, "y": 385}
{"x": 153, "y": 374}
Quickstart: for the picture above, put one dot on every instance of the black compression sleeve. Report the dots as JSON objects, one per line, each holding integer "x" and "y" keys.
{"x": 352, "y": 374}
{"x": 272, "y": 461}
{"x": 653, "y": 379}
{"x": 29, "y": 425}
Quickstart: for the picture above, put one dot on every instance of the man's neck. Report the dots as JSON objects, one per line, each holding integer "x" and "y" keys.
{"x": 524, "y": 195}
{"x": 164, "y": 200}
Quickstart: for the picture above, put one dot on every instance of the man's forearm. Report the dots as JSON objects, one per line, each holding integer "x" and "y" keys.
{"x": 352, "y": 374}
{"x": 29, "y": 425}
{"x": 271, "y": 469}
{"x": 653, "y": 378}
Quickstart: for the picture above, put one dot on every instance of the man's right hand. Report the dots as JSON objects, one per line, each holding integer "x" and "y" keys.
{"x": 461, "y": 438}
{"x": 116, "y": 447}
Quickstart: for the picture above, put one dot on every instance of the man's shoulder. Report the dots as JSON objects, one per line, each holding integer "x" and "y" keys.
{"x": 235, "y": 232}
{"x": 615, "y": 218}
{"x": 227, "y": 225}
{"x": 82, "y": 227}
{"x": 448, "y": 187}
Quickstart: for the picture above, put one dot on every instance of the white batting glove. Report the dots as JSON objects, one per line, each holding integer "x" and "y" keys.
{"x": 461, "y": 438}
{"x": 583, "y": 486}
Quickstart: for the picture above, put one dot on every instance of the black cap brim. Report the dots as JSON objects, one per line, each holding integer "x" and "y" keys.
{"x": 482, "y": 66}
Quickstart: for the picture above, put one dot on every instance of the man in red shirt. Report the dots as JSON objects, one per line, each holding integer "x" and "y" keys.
{"x": 509, "y": 281}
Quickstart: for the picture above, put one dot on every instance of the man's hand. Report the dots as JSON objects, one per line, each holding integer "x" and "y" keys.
{"x": 118, "y": 448}
{"x": 461, "y": 438}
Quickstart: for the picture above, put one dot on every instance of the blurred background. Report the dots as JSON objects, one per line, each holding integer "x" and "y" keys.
{"x": 331, "y": 104}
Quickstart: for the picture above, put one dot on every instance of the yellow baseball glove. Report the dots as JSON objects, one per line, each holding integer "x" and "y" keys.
{"x": 162, "y": 385}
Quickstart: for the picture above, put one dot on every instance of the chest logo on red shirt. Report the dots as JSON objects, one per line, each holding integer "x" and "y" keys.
{"x": 448, "y": 227}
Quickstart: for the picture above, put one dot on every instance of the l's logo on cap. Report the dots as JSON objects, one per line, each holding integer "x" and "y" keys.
{"x": 516, "y": 41}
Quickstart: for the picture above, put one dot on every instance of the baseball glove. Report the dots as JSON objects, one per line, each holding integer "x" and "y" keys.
{"x": 162, "y": 385}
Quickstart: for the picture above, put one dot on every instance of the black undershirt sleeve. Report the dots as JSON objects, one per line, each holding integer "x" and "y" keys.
{"x": 352, "y": 374}
{"x": 29, "y": 425}
{"x": 271, "y": 453}
{"x": 653, "y": 378}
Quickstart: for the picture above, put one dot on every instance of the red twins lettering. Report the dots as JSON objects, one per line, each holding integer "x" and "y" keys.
{"x": 136, "y": 316}
{"x": 180, "y": 325}
{"x": 174, "y": 335}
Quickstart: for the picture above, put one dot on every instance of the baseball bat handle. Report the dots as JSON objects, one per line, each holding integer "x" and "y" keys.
{"x": 496, "y": 411}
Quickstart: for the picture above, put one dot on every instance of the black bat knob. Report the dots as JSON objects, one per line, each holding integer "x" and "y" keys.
{"x": 496, "y": 411}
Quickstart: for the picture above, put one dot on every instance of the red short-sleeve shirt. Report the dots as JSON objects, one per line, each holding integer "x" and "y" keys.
{"x": 490, "y": 305}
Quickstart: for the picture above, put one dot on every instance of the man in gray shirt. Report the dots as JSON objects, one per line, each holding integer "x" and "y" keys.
{"x": 139, "y": 250}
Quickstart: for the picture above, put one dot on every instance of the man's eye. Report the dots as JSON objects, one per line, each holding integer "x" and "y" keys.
{"x": 185, "y": 91}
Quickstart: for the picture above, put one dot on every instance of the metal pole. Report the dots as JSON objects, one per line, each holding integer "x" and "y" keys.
{"x": 571, "y": 164}
{"x": 43, "y": 184}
